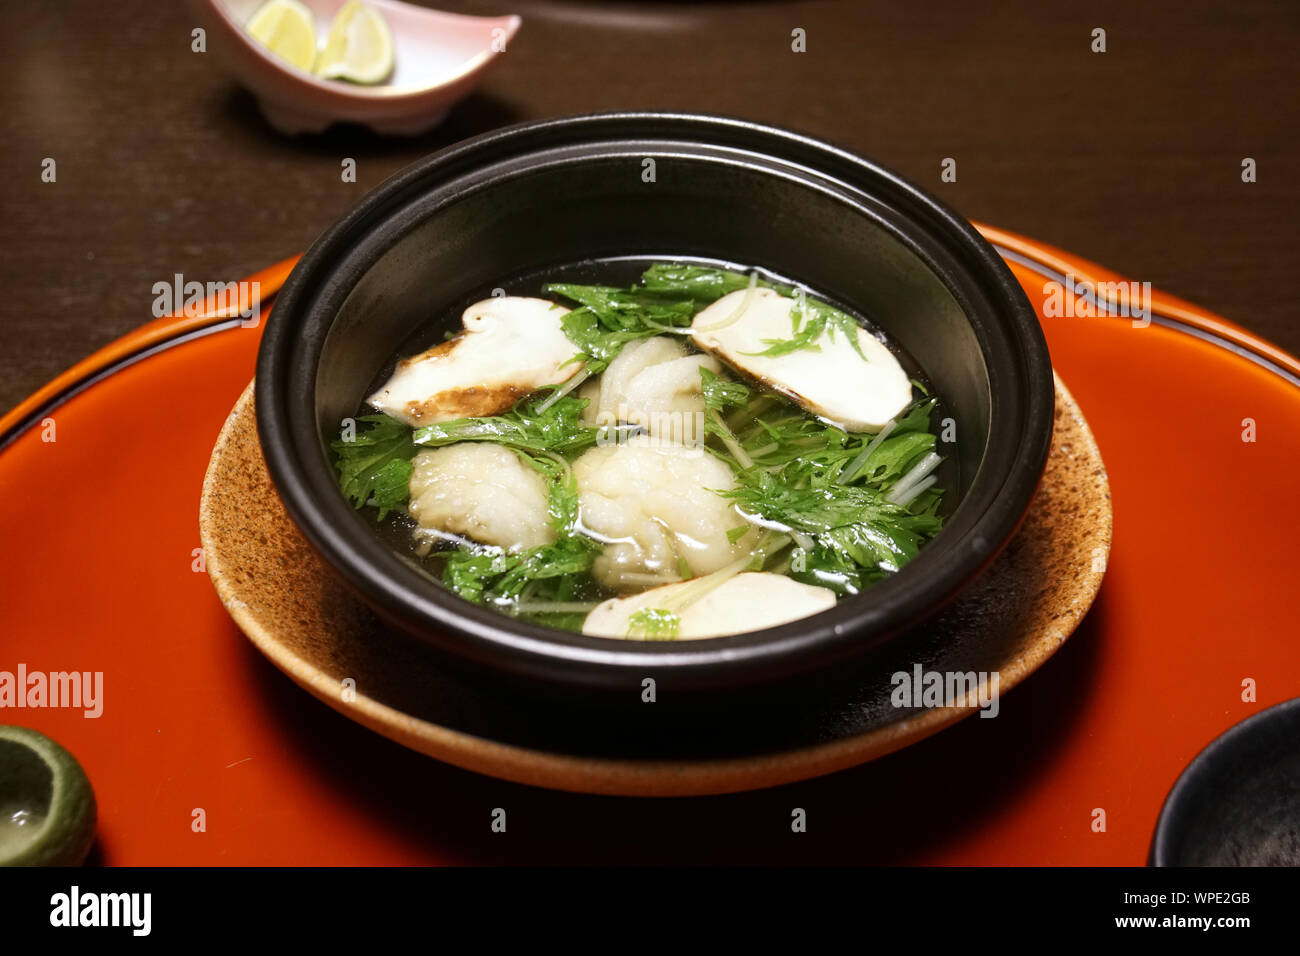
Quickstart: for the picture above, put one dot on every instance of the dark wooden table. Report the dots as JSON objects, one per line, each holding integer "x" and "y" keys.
{"x": 1131, "y": 158}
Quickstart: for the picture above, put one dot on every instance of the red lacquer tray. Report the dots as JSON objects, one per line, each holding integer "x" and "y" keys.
{"x": 100, "y": 574}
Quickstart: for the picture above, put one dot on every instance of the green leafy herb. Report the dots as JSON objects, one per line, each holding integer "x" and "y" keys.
{"x": 719, "y": 394}
{"x": 893, "y": 457}
{"x": 609, "y": 318}
{"x": 811, "y": 320}
{"x": 801, "y": 448}
{"x": 374, "y": 464}
{"x": 916, "y": 418}
{"x": 494, "y": 576}
{"x": 851, "y": 522}
{"x": 559, "y": 428}
{"x": 598, "y": 346}
{"x": 654, "y": 624}
{"x": 828, "y": 568}
{"x": 627, "y": 310}
{"x": 390, "y": 489}
{"x": 470, "y": 572}
{"x": 569, "y": 555}
{"x": 699, "y": 283}
{"x": 562, "y": 490}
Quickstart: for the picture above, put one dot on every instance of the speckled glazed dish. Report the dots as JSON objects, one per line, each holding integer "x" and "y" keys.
{"x": 449, "y": 229}
{"x": 291, "y": 606}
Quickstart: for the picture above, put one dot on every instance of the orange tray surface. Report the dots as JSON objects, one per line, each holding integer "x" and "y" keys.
{"x": 100, "y": 572}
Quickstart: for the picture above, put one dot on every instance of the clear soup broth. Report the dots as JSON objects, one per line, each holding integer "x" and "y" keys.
{"x": 652, "y": 448}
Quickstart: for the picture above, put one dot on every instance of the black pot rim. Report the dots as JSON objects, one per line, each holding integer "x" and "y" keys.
{"x": 292, "y": 447}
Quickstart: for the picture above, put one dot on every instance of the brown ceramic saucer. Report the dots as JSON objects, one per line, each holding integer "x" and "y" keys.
{"x": 301, "y": 617}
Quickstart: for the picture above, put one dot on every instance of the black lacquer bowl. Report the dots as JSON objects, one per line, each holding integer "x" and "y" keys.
{"x": 569, "y": 191}
{"x": 1238, "y": 802}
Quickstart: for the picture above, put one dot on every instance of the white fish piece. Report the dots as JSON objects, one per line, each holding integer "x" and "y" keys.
{"x": 481, "y": 491}
{"x": 656, "y": 383}
{"x": 833, "y": 383}
{"x": 652, "y": 506}
{"x": 510, "y": 346}
{"x": 750, "y": 601}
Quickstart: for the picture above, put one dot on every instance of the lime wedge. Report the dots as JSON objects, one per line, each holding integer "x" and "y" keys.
{"x": 287, "y": 29}
{"x": 47, "y": 808}
{"x": 359, "y": 47}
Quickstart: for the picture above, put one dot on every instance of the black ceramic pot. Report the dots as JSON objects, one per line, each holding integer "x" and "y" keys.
{"x": 568, "y": 191}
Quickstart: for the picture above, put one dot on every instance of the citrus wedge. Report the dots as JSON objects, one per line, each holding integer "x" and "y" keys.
{"x": 359, "y": 47}
{"x": 287, "y": 29}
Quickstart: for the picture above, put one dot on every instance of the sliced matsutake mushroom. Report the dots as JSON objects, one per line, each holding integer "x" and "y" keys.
{"x": 510, "y": 346}
{"x": 749, "y": 601}
{"x": 833, "y": 382}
